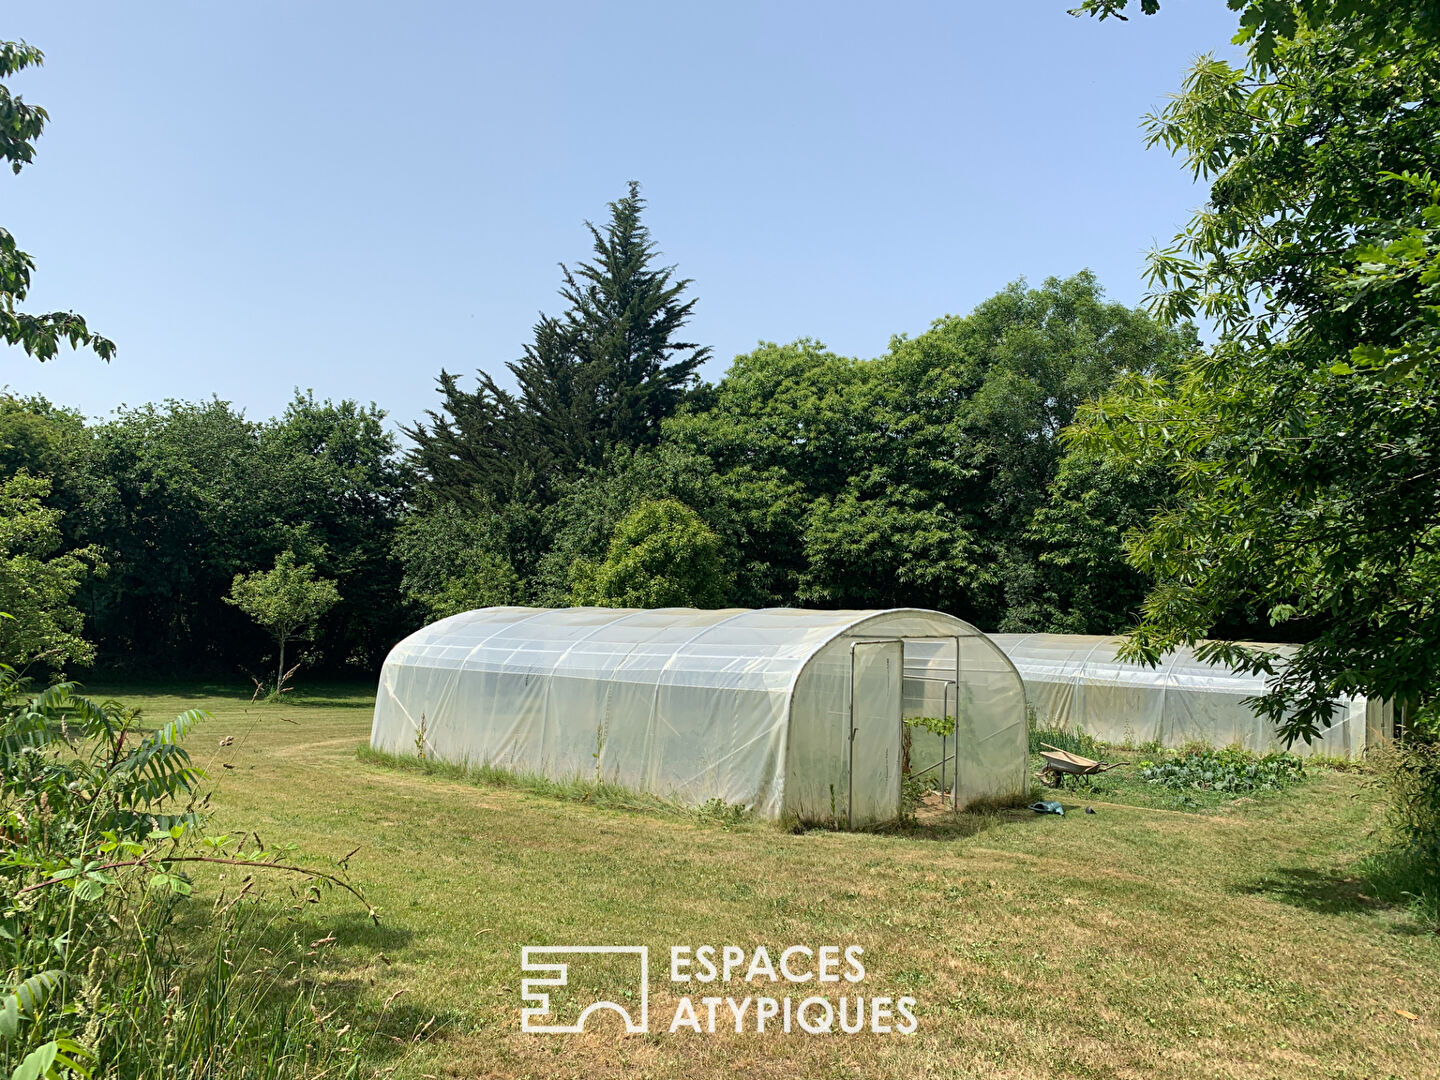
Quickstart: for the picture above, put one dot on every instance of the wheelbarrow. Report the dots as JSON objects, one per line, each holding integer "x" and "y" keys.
{"x": 1061, "y": 763}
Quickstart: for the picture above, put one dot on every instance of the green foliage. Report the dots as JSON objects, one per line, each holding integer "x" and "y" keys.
{"x": 913, "y": 478}
{"x": 180, "y": 498}
{"x": 773, "y": 437}
{"x": 601, "y": 376}
{"x": 1266, "y": 24}
{"x": 589, "y": 509}
{"x": 913, "y": 790}
{"x": 1302, "y": 444}
{"x": 457, "y": 560}
{"x": 1074, "y": 742}
{"x": 288, "y": 601}
{"x": 662, "y": 555}
{"x": 1230, "y": 770}
{"x": 936, "y": 725}
{"x": 1408, "y": 865}
{"x": 1079, "y": 581}
{"x": 38, "y": 581}
{"x": 100, "y": 968}
{"x": 41, "y": 439}
{"x": 20, "y": 125}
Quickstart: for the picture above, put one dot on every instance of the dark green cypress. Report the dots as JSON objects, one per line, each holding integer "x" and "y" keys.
{"x": 603, "y": 374}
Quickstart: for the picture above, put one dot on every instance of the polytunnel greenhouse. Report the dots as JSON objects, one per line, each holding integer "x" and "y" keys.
{"x": 1078, "y": 682}
{"x": 787, "y": 712}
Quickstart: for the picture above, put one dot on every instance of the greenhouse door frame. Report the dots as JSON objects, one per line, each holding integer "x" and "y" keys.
{"x": 954, "y": 716}
{"x": 900, "y": 714}
{"x": 899, "y": 720}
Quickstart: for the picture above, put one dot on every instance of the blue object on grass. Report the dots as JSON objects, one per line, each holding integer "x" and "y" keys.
{"x": 1048, "y": 808}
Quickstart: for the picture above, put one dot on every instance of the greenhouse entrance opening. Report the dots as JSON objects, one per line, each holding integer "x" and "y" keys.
{"x": 886, "y": 690}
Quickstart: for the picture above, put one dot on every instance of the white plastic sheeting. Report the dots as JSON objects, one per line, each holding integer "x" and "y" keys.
{"x": 1075, "y": 682}
{"x": 786, "y": 711}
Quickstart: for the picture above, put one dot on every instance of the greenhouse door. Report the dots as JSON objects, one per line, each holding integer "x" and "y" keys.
{"x": 876, "y": 671}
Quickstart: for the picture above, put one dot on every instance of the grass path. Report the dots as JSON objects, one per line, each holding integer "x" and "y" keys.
{"x": 1127, "y": 943}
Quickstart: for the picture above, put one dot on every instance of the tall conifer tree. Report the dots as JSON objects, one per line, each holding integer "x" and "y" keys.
{"x": 603, "y": 374}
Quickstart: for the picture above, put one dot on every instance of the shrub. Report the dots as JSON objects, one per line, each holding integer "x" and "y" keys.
{"x": 662, "y": 555}
{"x": 1408, "y": 867}
{"x": 106, "y": 964}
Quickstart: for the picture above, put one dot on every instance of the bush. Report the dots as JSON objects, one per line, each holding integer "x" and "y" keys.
{"x": 1408, "y": 867}
{"x": 1229, "y": 770}
{"x": 662, "y": 555}
{"x": 107, "y": 964}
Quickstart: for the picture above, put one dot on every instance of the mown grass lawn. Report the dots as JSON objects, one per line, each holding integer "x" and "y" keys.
{"x": 1134, "y": 942}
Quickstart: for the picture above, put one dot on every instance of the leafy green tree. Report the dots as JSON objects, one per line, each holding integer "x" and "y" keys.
{"x": 1303, "y": 445}
{"x": 182, "y": 497}
{"x": 39, "y": 438}
{"x": 455, "y": 561}
{"x": 662, "y": 555}
{"x": 912, "y": 479}
{"x": 340, "y": 488}
{"x": 603, "y": 374}
{"x": 288, "y": 601}
{"x": 1079, "y": 581}
{"x": 590, "y": 507}
{"x": 1264, "y": 24}
{"x": 38, "y": 580}
{"x": 20, "y": 125}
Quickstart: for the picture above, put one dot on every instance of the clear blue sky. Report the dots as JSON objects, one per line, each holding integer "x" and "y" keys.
{"x": 250, "y": 197}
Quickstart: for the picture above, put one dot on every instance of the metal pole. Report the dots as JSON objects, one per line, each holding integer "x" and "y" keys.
{"x": 955, "y": 795}
{"x": 850, "y": 751}
{"x": 945, "y": 715}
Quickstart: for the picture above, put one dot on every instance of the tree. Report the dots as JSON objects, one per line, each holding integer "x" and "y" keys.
{"x": 1305, "y": 446}
{"x": 1078, "y": 580}
{"x": 912, "y": 479}
{"x": 288, "y": 601}
{"x": 589, "y": 509}
{"x": 455, "y": 561}
{"x": 20, "y": 125}
{"x": 38, "y": 580}
{"x": 1266, "y": 23}
{"x": 480, "y": 447}
{"x": 629, "y": 372}
{"x": 181, "y": 497}
{"x": 338, "y": 484}
{"x": 602, "y": 375}
{"x": 662, "y": 555}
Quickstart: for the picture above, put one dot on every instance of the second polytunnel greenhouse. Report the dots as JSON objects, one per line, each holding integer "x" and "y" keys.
{"x": 791, "y": 713}
{"x": 1079, "y": 683}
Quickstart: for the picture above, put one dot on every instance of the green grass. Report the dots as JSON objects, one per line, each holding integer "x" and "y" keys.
{"x": 1140, "y": 941}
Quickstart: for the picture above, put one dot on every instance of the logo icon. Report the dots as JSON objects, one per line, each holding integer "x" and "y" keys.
{"x": 533, "y": 1016}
